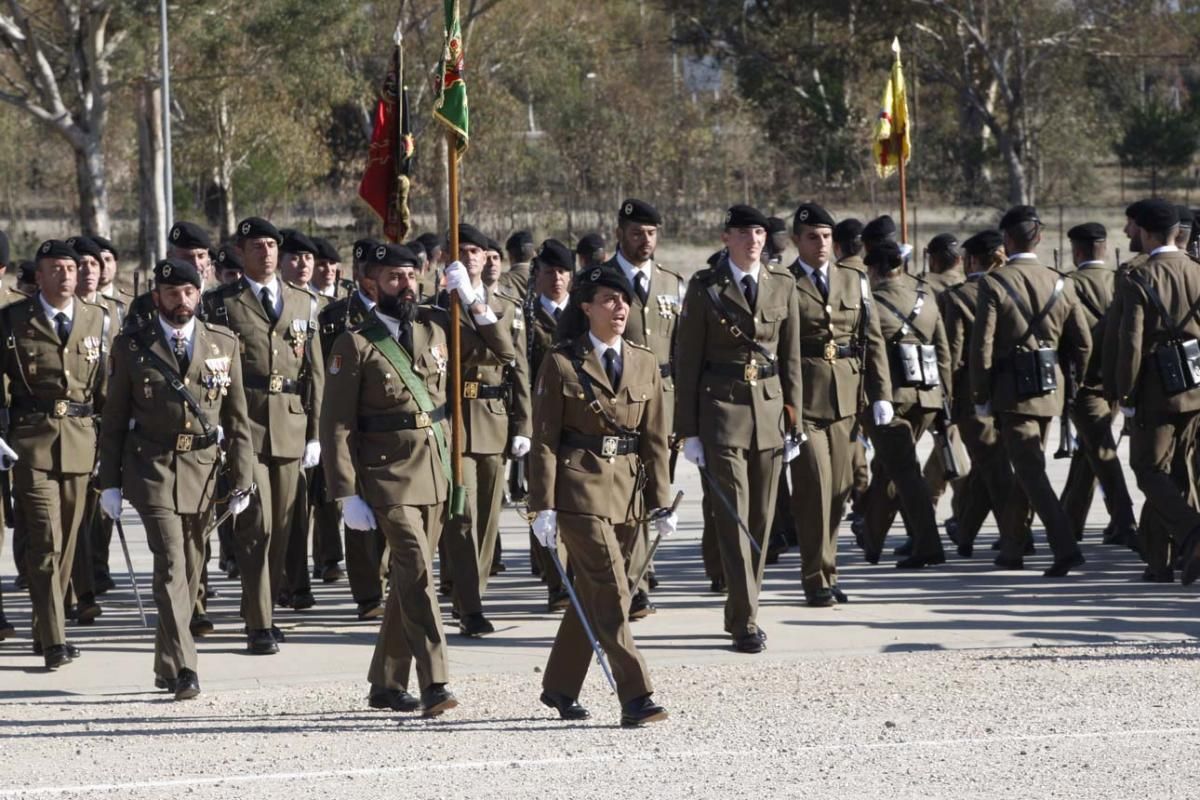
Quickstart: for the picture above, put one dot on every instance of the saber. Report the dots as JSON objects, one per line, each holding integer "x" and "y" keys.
{"x": 137, "y": 594}
{"x": 228, "y": 511}
{"x": 662, "y": 512}
{"x": 716, "y": 490}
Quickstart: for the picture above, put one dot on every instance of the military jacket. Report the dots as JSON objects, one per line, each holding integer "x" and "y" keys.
{"x": 541, "y": 328}
{"x": 1095, "y": 285}
{"x": 904, "y": 292}
{"x": 338, "y": 317}
{"x": 515, "y": 281}
{"x": 1112, "y": 329}
{"x": 958, "y": 305}
{"x": 939, "y": 282}
{"x": 653, "y": 325}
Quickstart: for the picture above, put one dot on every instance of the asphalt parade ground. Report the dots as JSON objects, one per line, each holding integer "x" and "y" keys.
{"x": 958, "y": 681}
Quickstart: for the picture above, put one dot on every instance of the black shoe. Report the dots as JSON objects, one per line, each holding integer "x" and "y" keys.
{"x": 386, "y": 699}
{"x": 920, "y": 562}
{"x": 302, "y": 601}
{"x": 436, "y": 699}
{"x": 445, "y": 589}
{"x": 283, "y": 600}
{"x": 1163, "y": 575}
{"x": 21, "y": 582}
{"x": 1189, "y": 558}
{"x": 640, "y": 606}
{"x": 233, "y": 573}
{"x": 904, "y": 550}
{"x": 332, "y": 572}
{"x": 717, "y": 586}
{"x": 260, "y": 642}
{"x": 951, "y": 526}
{"x": 1009, "y": 563}
{"x": 639, "y": 711}
{"x": 210, "y": 592}
{"x": 200, "y": 625}
{"x": 103, "y": 585}
{"x": 372, "y": 609}
{"x": 498, "y": 566}
{"x": 819, "y": 598}
{"x": 652, "y": 581}
{"x": 475, "y": 625}
{"x": 858, "y": 527}
{"x": 838, "y": 595}
{"x": 965, "y": 550}
{"x": 762, "y": 635}
{"x": 1030, "y": 550}
{"x": 749, "y": 643}
{"x": 558, "y": 600}
{"x": 277, "y": 635}
{"x": 187, "y": 685}
{"x": 871, "y": 556}
{"x": 6, "y": 628}
{"x": 164, "y": 683}
{"x": 567, "y": 707}
{"x": 996, "y": 545}
{"x": 59, "y": 654}
{"x": 1062, "y": 566}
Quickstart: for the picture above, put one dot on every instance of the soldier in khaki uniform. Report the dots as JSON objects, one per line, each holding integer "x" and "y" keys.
{"x": 327, "y": 277}
{"x": 495, "y": 397}
{"x": 1092, "y": 415}
{"x": 1027, "y": 318}
{"x": 7, "y": 296}
{"x": 520, "y": 256}
{"x": 53, "y": 363}
{"x": 1158, "y": 355}
{"x": 738, "y": 395}
{"x": 844, "y": 359}
{"x": 653, "y": 317}
{"x": 283, "y": 375}
{"x": 919, "y": 359}
{"x": 601, "y": 430}
{"x": 388, "y": 458}
{"x": 162, "y": 456}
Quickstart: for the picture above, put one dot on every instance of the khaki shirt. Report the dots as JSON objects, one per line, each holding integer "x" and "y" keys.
{"x": 902, "y": 291}
{"x": 1095, "y": 285}
{"x": 958, "y": 305}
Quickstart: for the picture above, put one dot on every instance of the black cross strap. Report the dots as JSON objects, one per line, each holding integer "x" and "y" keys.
{"x": 589, "y": 394}
{"x": 173, "y": 378}
{"x": 1173, "y": 328}
{"x": 714, "y": 297}
{"x": 906, "y": 322}
{"x": 1034, "y": 320}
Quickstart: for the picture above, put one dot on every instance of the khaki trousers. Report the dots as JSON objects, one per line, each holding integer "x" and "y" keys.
{"x": 178, "y": 544}
{"x": 470, "y": 540}
{"x": 897, "y": 483}
{"x": 822, "y": 476}
{"x": 1024, "y": 440}
{"x": 261, "y": 536}
{"x": 50, "y": 506}
{"x": 1095, "y": 459}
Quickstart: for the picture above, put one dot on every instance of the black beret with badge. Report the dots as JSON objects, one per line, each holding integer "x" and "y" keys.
{"x": 189, "y": 236}
{"x": 1088, "y": 232}
{"x": 56, "y": 248}
{"x": 983, "y": 243}
{"x": 106, "y": 244}
{"x": 176, "y": 272}
{"x": 1018, "y": 215}
{"x": 363, "y": 248}
{"x": 943, "y": 244}
{"x": 326, "y": 251}
{"x": 639, "y": 212}
{"x": 1156, "y": 215}
{"x": 556, "y": 255}
{"x": 296, "y": 242}
{"x": 469, "y": 234}
{"x": 609, "y": 275}
{"x": 590, "y": 244}
{"x": 744, "y": 216}
{"x": 257, "y": 228}
{"x": 228, "y": 258}
{"x": 391, "y": 255}
{"x": 518, "y": 240}
{"x": 811, "y": 214}
{"x": 85, "y": 246}
{"x": 879, "y": 229}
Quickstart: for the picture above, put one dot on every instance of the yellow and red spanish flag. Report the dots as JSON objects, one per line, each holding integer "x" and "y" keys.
{"x": 891, "y": 141}
{"x": 385, "y": 183}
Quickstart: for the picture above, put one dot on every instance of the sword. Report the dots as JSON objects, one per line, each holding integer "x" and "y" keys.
{"x": 662, "y": 512}
{"x": 720, "y": 495}
{"x": 129, "y": 566}
{"x": 228, "y": 511}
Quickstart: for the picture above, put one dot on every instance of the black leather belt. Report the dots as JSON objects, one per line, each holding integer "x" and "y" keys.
{"x": 474, "y": 390}
{"x": 605, "y": 446}
{"x": 56, "y": 409}
{"x": 744, "y": 371}
{"x": 271, "y": 384}
{"x": 181, "y": 442}
{"x": 664, "y": 370}
{"x": 829, "y": 350}
{"x": 386, "y": 423}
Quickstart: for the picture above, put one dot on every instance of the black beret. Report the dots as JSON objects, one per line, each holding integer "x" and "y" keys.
{"x": 776, "y": 225}
{"x": 85, "y": 246}
{"x": 1088, "y": 232}
{"x": 1018, "y": 214}
{"x": 554, "y": 253}
{"x": 416, "y": 246}
{"x": 257, "y": 228}
{"x": 363, "y": 247}
{"x": 26, "y": 272}
{"x": 640, "y": 212}
{"x": 228, "y": 258}
{"x": 879, "y": 229}
{"x": 1185, "y": 217}
{"x": 105, "y": 244}
{"x": 494, "y": 245}
{"x": 391, "y": 255}
{"x": 609, "y": 275}
{"x": 518, "y": 240}
{"x": 884, "y": 257}
{"x": 946, "y": 243}
{"x": 984, "y": 242}
{"x": 176, "y": 272}
{"x": 743, "y": 216}
{"x": 430, "y": 241}
{"x": 1156, "y": 215}
{"x": 56, "y": 248}
{"x": 3, "y": 249}
{"x": 811, "y": 214}
{"x": 847, "y": 230}
{"x": 469, "y": 234}
{"x": 189, "y": 236}
{"x": 1131, "y": 209}
{"x": 326, "y": 251}
{"x": 590, "y": 244}
{"x": 296, "y": 242}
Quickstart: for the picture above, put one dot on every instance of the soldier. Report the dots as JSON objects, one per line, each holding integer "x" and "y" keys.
{"x": 737, "y": 374}
{"x": 229, "y": 267}
{"x": 1027, "y": 316}
{"x": 591, "y": 251}
{"x": 919, "y": 360}
{"x": 493, "y": 264}
{"x": 435, "y": 250}
{"x": 283, "y": 376}
{"x": 27, "y": 278}
{"x": 848, "y": 252}
{"x": 777, "y": 241}
{"x": 53, "y": 360}
{"x": 601, "y": 431}
{"x": 327, "y": 271}
{"x": 495, "y": 397}
{"x": 108, "y": 273}
{"x": 844, "y": 359}
{"x": 174, "y": 393}
{"x": 520, "y": 253}
{"x": 1092, "y": 415}
{"x": 6, "y": 296}
{"x": 389, "y": 461}
{"x": 1158, "y": 357}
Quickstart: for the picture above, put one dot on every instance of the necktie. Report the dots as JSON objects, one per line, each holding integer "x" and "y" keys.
{"x": 639, "y": 283}
{"x": 611, "y": 369}
{"x": 750, "y": 289}
{"x": 62, "y": 326}
{"x": 819, "y": 280}
{"x": 406, "y": 339}
{"x": 557, "y": 313}
{"x": 181, "y": 353}
{"x": 268, "y": 305}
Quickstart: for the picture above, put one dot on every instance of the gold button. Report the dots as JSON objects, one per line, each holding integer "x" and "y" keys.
{"x": 66, "y": 372}
{"x": 647, "y": 331}
{"x": 828, "y": 309}
{"x": 383, "y": 458}
{"x": 754, "y": 383}
{"x": 187, "y": 424}
{"x": 186, "y": 381}
{"x": 613, "y": 400}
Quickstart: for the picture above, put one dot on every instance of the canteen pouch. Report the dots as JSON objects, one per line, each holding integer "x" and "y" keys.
{"x": 930, "y": 376}
{"x": 1034, "y": 371}
{"x": 1179, "y": 366}
{"x": 908, "y": 364}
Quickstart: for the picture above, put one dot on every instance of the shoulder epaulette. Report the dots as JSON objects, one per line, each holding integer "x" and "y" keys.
{"x": 336, "y": 307}
{"x": 219, "y": 330}
{"x": 300, "y": 288}
{"x": 851, "y": 267}
{"x": 670, "y": 272}
{"x": 780, "y": 270}
{"x": 637, "y": 346}
{"x": 705, "y": 277}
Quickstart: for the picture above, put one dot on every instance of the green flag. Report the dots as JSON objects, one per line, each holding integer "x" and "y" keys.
{"x": 451, "y": 107}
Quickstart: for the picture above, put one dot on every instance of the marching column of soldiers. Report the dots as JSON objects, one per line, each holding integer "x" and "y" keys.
{"x": 256, "y": 392}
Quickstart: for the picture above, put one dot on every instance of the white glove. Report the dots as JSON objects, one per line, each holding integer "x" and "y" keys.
{"x": 905, "y": 251}
{"x": 545, "y": 528}
{"x": 666, "y": 525}
{"x": 883, "y": 412}
{"x": 984, "y": 410}
{"x": 110, "y": 503}
{"x": 312, "y": 454}
{"x": 357, "y": 515}
{"x": 457, "y": 280}
{"x": 1128, "y": 412}
{"x": 693, "y": 451}
{"x": 220, "y": 434}
{"x": 8, "y": 456}
{"x": 520, "y": 446}
{"x": 791, "y": 447}
{"x": 238, "y": 503}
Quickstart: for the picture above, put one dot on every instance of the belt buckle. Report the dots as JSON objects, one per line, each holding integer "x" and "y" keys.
{"x": 608, "y": 446}
{"x": 183, "y": 442}
{"x": 275, "y": 384}
{"x": 422, "y": 420}
{"x": 751, "y": 371}
{"x": 60, "y": 408}
{"x": 831, "y": 350}
{"x": 471, "y": 390}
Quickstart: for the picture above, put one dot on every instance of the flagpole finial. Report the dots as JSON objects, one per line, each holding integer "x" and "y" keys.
{"x": 398, "y": 36}
{"x": 896, "y": 45}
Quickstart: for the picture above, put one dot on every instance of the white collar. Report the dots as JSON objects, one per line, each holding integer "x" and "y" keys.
{"x": 552, "y": 306}
{"x": 739, "y": 273}
{"x": 823, "y": 269}
{"x": 1166, "y": 248}
{"x": 629, "y": 267}
{"x": 1093, "y": 263}
{"x": 331, "y": 291}
{"x": 52, "y": 312}
{"x": 272, "y": 287}
{"x": 601, "y": 347}
{"x": 109, "y": 291}
{"x": 366, "y": 301}
{"x": 1023, "y": 256}
{"x": 391, "y": 323}
{"x": 188, "y": 331}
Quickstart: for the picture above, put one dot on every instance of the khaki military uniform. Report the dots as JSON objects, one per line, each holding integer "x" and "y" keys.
{"x": 8, "y": 296}
{"x": 733, "y": 397}
{"x": 515, "y": 281}
{"x": 599, "y": 497}
{"x": 896, "y": 480}
{"x": 381, "y": 446}
{"x": 165, "y": 461}
{"x": 1000, "y": 329}
{"x": 428, "y": 285}
{"x": 935, "y": 470}
{"x": 843, "y": 358}
{"x": 53, "y": 392}
{"x": 283, "y": 375}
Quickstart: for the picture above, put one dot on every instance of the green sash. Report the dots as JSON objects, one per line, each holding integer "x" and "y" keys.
{"x": 390, "y": 349}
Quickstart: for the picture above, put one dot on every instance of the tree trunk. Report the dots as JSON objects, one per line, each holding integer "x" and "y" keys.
{"x": 152, "y": 218}
{"x": 91, "y": 178}
{"x": 1018, "y": 184}
{"x": 227, "y": 216}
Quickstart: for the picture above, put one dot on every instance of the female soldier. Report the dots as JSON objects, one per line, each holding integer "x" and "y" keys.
{"x": 599, "y": 460}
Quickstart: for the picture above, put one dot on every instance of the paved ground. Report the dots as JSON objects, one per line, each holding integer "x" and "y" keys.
{"x": 957, "y": 682}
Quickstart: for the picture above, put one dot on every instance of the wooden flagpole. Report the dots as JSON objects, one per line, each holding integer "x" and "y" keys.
{"x": 457, "y": 491}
